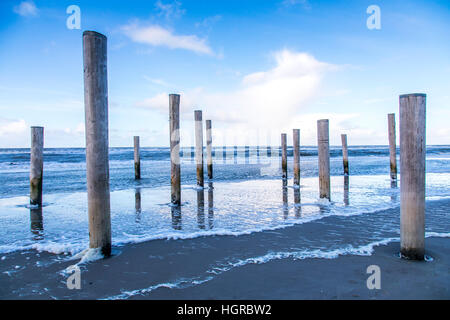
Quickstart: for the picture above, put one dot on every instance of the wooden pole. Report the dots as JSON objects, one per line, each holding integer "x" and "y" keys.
{"x": 412, "y": 175}
{"x": 346, "y": 190}
{"x": 344, "y": 153}
{"x": 137, "y": 159}
{"x": 296, "y": 141}
{"x": 284, "y": 155}
{"x": 199, "y": 147}
{"x": 247, "y": 154}
{"x": 174, "y": 119}
{"x": 324, "y": 158}
{"x": 392, "y": 145}
{"x": 36, "y": 165}
{"x": 97, "y": 161}
{"x": 209, "y": 161}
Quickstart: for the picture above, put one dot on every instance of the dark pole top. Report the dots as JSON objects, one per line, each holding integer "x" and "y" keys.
{"x": 94, "y": 34}
{"x": 413, "y": 95}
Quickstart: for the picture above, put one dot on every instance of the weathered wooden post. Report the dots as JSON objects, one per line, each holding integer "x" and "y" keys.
{"x": 199, "y": 146}
{"x": 296, "y": 141}
{"x": 137, "y": 159}
{"x": 174, "y": 119}
{"x": 97, "y": 162}
{"x": 392, "y": 145}
{"x": 209, "y": 161}
{"x": 224, "y": 153}
{"x": 284, "y": 155}
{"x": 36, "y": 165}
{"x": 247, "y": 154}
{"x": 412, "y": 175}
{"x": 344, "y": 153}
{"x": 323, "y": 146}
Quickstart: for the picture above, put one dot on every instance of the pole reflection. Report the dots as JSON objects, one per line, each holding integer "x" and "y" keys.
{"x": 176, "y": 217}
{"x": 394, "y": 193}
{"x": 285, "y": 200}
{"x": 210, "y": 205}
{"x": 346, "y": 190}
{"x": 137, "y": 204}
{"x": 37, "y": 223}
{"x": 201, "y": 209}
{"x": 297, "y": 206}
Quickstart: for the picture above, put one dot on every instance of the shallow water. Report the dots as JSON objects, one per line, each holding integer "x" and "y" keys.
{"x": 246, "y": 195}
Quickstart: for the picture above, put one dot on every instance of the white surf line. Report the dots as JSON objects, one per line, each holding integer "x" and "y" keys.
{"x": 185, "y": 283}
{"x": 365, "y": 250}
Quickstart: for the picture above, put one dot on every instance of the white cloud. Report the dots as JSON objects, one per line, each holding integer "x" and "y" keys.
{"x": 169, "y": 10}
{"x": 12, "y": 126}
{"x": 209, "y": 21}
{"x": 26, "y": 9}
{"x": 156, "y": 35}
{"x": 304, "y": 3}
{"x": 271, "y": 100}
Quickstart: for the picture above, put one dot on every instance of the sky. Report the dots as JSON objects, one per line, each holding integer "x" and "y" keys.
{"x": 256, "y": 68}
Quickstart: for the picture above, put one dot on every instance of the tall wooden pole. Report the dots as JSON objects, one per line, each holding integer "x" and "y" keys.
{"x": 344, "y": 153}
{"x": 296, "y": 142}
{"x": 324, "y": 158}
{"x": 199, "y": 147}
{"x": 137, "y": 159}
{"x": 392, "y": 145}
{"x": 36, "y": 165}
{"x": 284, "y": 155}
{"x": 412, "y": 175}
{"x": 174, "y": 119}
{"x": 97, "y": 162}
{"x": 209, "y": 161}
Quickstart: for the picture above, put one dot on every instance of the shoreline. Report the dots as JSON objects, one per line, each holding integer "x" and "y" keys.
{"x": 148, "y": 276}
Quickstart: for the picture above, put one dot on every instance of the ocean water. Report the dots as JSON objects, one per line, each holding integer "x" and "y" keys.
{"x": 246, "y": 197}
{"x": 246, "y": 194}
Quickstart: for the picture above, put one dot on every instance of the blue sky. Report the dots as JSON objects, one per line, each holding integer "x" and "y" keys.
{"x": 256, "y": 68}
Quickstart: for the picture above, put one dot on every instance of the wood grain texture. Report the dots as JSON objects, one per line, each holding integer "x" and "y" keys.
{"x": 412, "y": 175}
{"x": 199, "y": 147}
{"x": 323, "y": 144}
{"x": 97, "y": 144}
{"x": 174, "y": 124}
{"x": 36, "y": 165}
{"x": 392, "y": 145}
{"x": 296, "y": 143}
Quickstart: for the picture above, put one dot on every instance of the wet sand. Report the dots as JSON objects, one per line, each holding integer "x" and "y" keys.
{"x": 148, "y": 264}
